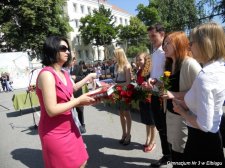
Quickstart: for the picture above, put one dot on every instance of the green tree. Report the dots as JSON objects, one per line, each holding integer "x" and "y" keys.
{"x": 98, "y": 29}
{"x": 134, "y": 36}
{"x": 206, "y": 10}
{"x": 26, "y": 24}
{"x": 221, "y": 9}
{"x": 174, "y": 14}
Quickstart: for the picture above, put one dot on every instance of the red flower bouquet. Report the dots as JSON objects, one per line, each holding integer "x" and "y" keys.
{"x": 122, "y": 95}
{"x": 142, "y": 94}
{"x": 102, "y": 92}
{"x": 129, "y": 95}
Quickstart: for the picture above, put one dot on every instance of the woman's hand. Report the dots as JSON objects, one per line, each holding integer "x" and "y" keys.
{"x": 168, "y": 95}
{"x": 93, "y": 75}
{"x": 147, "y": 85}
{"x": 179, "y": 106}
{"x": 85, "y": 100}
{"x": 152, "y": 81}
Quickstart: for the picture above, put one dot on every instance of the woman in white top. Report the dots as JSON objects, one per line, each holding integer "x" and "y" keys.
{"x": 205, "y": 98}
{"x": 123, "y": 78}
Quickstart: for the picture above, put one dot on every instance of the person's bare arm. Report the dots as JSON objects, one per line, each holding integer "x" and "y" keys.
{"x": 46, "y": 83}
{"x": 79, "y": 84}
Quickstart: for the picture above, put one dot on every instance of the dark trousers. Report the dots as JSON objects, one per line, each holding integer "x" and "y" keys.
{"x": 160, "y": 123}
{"x": 177, "y": 157}
{"x": 204, "y": 146}
{"x": 222, "y": 129}
{"x": 80, "y": 112}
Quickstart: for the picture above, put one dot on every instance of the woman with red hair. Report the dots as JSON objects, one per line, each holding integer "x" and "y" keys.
{"x": 183, "y": 70}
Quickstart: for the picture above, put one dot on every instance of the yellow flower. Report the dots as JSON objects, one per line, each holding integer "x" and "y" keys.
{"x": 167, "y": 73}
{"x": 165, "y": 81}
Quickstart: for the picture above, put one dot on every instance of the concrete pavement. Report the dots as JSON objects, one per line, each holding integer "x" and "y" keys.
{"x": 20, "y": 146}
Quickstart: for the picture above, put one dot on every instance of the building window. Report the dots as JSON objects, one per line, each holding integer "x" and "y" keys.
{"x": 77, "y": 40}
{"x": 121, "y": 21}
{"x": 76, "y": 23}
{"x": 115, "y": 19}
{"x": 89, "y": 10}
{"x": 82, "y": 8}
{"x": 126, "y": 22}
{"x": 75, "y": 7}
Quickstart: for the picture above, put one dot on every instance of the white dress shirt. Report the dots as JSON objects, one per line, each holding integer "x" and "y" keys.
{"x": 206, "y": 96}
{"x": 158, "y": 63}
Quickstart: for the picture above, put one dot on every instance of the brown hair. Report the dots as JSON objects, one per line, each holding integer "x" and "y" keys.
{"x": 180, "y": 44}
{"x": 147, "y": 65}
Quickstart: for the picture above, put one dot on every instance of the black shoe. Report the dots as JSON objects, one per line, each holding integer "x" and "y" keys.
{"x": 127, "y": 140}
{"x": 162, "y": 161}
{"x": 82, "y": 129}
{"x": 121, "y": 141}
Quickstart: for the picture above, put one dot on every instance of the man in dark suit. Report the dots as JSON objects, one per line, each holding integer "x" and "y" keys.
{"x": 77, "y": 75}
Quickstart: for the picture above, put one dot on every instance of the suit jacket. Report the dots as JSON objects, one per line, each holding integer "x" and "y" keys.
{"x": 77, "y": 71}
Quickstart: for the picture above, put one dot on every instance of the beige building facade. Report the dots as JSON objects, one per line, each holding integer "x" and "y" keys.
{"x": 77, "y": 9}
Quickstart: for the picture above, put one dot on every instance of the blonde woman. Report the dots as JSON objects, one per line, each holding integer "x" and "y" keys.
{"x": 143, "y": 61}
{"x": 123, "y": 78}
{"x": 206, "y": 96}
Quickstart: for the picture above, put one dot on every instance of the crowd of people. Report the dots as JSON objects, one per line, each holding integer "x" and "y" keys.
{"x": 6, "y": 83}
{"x": 190, "y": 125}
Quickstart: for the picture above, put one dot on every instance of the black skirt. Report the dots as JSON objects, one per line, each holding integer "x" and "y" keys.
{"x": 146, "y": 113}
{"x": 205, "y": 148}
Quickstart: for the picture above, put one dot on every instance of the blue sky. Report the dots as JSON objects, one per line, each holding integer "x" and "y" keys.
{"x": 131, "y": 5}
{"x": 128, "y": 5}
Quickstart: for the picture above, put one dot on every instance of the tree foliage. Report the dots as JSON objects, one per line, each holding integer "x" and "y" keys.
{"x": 220, "y": 9}
{"x": 133, "y": 50}
{"x": 206, "y": 9}
{"x": 134, "y": 36}
{"x": 25, "y": 24}
{"x": 174, "y": 14}
{"x": 98, "y": 29}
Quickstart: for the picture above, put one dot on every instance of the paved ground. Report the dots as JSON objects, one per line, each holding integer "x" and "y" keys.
{"x": 20, "y": 145}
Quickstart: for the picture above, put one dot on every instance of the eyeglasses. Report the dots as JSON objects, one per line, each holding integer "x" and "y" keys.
{"x": 165, "y": 44}
{"x": 191, "y": 43}
{"x": 63, "y": 48}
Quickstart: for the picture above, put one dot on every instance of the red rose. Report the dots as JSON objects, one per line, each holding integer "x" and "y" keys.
{"x": 123, "y": 93}
{"x": 119, "y": 88}
{"x": 130, "y": 87}
{"x": 129, "y": 93}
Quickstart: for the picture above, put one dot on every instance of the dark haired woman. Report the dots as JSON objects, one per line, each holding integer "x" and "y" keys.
{"x": 62, "y": 144}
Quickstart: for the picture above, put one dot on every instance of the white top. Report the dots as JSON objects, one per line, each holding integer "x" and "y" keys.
{"x": 206, "y": 96}
{"x": 158, "y": 63}
{"x": 98, "y": 71}
{"x": 120, "y": 76}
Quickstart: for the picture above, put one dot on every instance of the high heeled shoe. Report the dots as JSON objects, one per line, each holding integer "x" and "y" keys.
{"x": 121, "y": 141}
{"x": 127, "y": 140}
